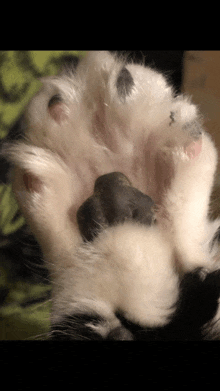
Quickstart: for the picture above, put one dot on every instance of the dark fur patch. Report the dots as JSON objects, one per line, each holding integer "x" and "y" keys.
{"x": 74, "y": 327}
{"x": 172, "y": 118}
{"x": 196, "y": 306}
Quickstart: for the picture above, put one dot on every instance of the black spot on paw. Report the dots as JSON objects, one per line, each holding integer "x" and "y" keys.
{"x": 114, "y": 201}
{"x": 55, "y": 99}
{"x": 124, "y": 83}
{"x": 120, "y": 201}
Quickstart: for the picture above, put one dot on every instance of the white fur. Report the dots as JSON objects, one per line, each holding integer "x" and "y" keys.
{"x": 129, "y": 267}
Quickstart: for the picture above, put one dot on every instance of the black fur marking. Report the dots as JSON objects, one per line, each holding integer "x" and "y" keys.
{"x": 196, "y": 306}
{"x": 75, "y": 327}
{"x": 78, "y": 327}
{"x": 124, "y": 83}
{"x": 114, "y": 201}
{"x": 172, "y": 118}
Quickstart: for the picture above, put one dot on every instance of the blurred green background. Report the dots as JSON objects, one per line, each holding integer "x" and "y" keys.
{"x": 24, "y": 298}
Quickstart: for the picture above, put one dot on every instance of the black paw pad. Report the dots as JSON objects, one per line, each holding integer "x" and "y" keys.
{"x": 55, "y": 99}
{"x": 124, "y": 83}
{"x": 120, "y": 333}
{"x": 114, "y": 201}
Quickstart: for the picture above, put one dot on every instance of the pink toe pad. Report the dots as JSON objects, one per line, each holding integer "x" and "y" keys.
{"x": 194, "y": 149}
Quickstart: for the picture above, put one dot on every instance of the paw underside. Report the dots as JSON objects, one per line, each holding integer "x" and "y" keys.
{"x": 116, "y": 201}
{"x": 140, "y": 150}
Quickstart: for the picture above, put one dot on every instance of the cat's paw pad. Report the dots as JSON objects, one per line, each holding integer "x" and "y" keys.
{"x": 114, "y": 201}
